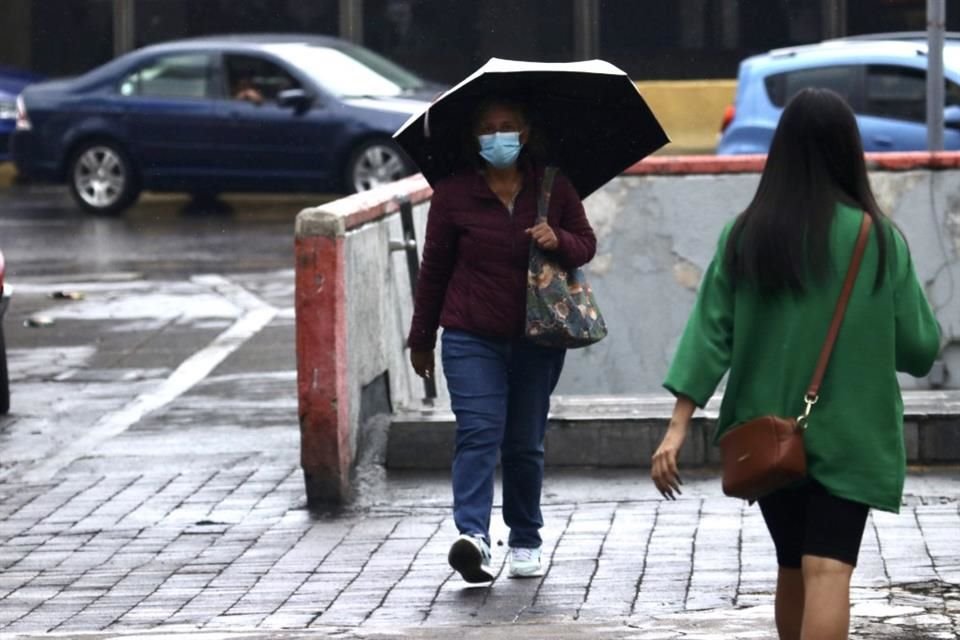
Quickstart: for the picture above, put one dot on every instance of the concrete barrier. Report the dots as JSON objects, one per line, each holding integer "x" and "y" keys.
{"x": 657, "y": 226}
{"x": 690, "y": 111}
{"x": 347, "y": 298}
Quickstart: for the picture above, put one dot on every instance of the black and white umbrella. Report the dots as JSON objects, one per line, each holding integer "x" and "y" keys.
{"x": 591, "y": 118}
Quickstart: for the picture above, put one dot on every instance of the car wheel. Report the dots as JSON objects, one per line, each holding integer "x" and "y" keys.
{"x": 4, "y": 377}
{"x": 102, "y": 178}
{"x": 375, "y": 162}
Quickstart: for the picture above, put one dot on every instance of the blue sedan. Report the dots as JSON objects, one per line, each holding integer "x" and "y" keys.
{"x": 239, "y": 113}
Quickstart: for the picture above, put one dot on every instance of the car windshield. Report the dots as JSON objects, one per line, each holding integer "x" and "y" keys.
{"x": 350, "y": 71}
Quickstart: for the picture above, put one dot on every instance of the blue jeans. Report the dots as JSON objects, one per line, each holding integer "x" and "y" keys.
{"x": 500, "y": 393}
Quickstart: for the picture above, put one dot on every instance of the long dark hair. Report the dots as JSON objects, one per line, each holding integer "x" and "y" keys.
{"x": 816, "y": 159}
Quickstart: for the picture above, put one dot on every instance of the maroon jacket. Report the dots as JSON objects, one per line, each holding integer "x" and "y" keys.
{"x": 474, "y": 271}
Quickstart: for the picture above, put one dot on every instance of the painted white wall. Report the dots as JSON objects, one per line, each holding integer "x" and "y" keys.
{"x": 656, "y": 236}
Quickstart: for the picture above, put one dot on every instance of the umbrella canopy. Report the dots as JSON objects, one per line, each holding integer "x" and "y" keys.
{"x": 589, "y": 116}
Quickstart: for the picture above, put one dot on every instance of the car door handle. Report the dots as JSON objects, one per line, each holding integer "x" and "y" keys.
{"x": 883, "y": 141}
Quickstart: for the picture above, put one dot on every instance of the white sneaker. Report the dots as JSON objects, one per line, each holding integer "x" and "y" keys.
{"x": 470, "y": 557}
{"x": 525, "y": 563}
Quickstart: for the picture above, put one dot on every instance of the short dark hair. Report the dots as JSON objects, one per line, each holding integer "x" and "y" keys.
{"x": 498, "y": 101}
{"x": 781, "y": 239}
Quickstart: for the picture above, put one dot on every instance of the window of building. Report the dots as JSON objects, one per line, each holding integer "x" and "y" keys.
{"x": 179, "y": 76}
{"x": 444, "y": 41}
{"x": 879, "y": 16}
{"x": 695, "y": 39}
{"x": 66, "y": 36}
{"x": 161, "y": 20}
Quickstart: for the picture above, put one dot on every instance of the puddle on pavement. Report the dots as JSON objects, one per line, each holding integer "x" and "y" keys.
{"x": 192, "y": 304}
{"x": 916, "y": 611}
{"x": 46, "y": 362}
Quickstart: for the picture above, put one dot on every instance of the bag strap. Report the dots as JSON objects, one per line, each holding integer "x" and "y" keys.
{"x": 859, "y": 248}
{"x": 543, "y": 201}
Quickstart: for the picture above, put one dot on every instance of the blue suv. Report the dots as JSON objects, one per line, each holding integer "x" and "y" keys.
{"x": 883, "y": 80}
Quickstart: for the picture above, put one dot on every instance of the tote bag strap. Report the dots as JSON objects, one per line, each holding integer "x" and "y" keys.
{"x": 543, "y": 201}
{"x": 813, "y": 390}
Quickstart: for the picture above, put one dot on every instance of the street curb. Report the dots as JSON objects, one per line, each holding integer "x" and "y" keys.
{"x": 625, "y": 431}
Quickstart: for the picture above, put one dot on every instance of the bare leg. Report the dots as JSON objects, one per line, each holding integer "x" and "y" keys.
{"x": 790, "y": 603}
{"x": 827, "y": 598}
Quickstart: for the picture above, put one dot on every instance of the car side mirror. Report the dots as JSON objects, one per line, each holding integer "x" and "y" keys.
{"x": 951, "y": 117}
{"x": 296, "y": 99}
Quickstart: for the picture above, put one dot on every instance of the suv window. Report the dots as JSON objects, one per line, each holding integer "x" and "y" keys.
{"x": 896, "y": 92}
{"x": 177, "y": 76}
{"x": 256, "y": 79}
{"x": 842, "y": 79}
{"x": 952, "y": 94}
{"x": 901, "y": 93}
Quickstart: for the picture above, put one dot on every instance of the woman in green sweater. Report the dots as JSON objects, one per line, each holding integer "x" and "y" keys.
{"x": 762, "y": 314}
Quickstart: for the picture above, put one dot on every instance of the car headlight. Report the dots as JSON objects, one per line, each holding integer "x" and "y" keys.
{"x": 8, "y": 109}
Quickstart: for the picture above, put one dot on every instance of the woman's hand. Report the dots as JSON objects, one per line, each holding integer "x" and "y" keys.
{"x": 663, "y": 469}
{"x": 423, "y": 363}
{"x": 544, "y": 236}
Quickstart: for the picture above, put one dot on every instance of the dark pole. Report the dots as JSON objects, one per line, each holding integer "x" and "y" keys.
{"x": 351, "y": 20}
{"x": 409, "y": 246}
{"x": 586, "y": 26}
{"x": 124, "y": 25}
{"x": 833, "y": 18}
{"x": 936, "y": 25}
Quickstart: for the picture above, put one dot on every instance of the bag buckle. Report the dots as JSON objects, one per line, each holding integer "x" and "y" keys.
{"x": 810, "y": 399}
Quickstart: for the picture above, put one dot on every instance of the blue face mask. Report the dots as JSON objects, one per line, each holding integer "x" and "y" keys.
{"x": 500, "y": 149}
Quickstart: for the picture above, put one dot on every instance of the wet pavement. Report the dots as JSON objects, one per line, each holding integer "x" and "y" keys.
{"x": 43, "y": 232}
{"x": 149, "y": 488}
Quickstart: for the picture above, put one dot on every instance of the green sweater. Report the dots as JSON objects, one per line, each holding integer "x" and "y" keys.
{"x": 770, "y": 345}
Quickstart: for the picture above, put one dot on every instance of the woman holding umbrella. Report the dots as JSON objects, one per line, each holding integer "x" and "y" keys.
{"x": 473, "y": 284}
{"x": 473, "y": 281}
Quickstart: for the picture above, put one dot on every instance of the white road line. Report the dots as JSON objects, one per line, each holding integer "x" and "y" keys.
{"x": 191, "y": 371}
{"x": 231, "y": 291}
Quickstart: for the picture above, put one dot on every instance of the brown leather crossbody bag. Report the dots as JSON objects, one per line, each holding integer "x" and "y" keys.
{"x": 767, "y": 453}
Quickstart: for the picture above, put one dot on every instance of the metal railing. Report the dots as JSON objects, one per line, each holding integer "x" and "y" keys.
{"x": 409, "y": 245}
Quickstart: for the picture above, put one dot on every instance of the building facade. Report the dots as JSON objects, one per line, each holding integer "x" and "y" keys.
{"x": 446, "y": 39}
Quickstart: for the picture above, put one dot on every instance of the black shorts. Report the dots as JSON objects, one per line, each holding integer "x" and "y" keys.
{"x": 806, "y": 520}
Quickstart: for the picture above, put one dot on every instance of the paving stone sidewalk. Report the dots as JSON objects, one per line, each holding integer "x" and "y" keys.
{"x": 189, "y": 521}
{"x": 231, "y": 550}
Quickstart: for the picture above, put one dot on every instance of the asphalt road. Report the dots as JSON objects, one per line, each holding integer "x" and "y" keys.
{"x": 43, "y": 233}
{"x": 114, "y": 318}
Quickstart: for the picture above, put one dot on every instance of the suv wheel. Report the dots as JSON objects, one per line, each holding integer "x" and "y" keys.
{"x": 102, "y": 178}
{"x": 373, "y": 163}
